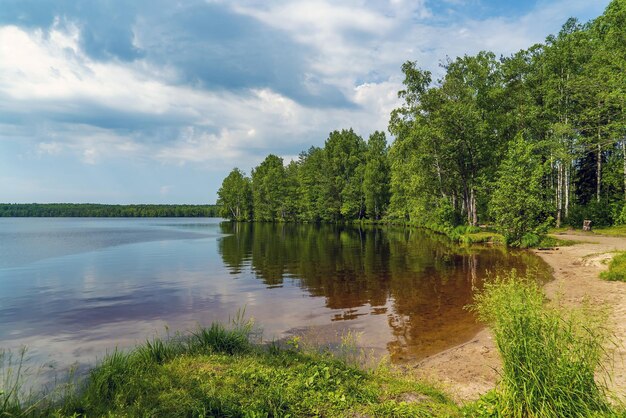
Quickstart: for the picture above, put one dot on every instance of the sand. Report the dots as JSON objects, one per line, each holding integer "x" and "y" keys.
{"x": 471, "y": 369}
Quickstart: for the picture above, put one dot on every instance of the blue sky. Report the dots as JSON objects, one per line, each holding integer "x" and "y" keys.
{"x": 154, "y": 101}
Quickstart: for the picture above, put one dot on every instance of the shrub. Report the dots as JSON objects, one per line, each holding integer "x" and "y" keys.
{"x": 530, "y": 240}
{"x": 620, "y": 216}
{"x": 600, "y": 213}
{"x": 550, "y": 356}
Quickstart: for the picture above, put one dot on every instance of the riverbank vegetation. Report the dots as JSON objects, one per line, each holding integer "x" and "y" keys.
{"x": 553, "y": 358}
{"x": 523, "y": 142}
{"x": 221, "y": 372}
{"x": 90, "y": 210}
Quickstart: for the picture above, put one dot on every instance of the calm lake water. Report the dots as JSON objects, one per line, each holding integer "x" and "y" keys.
{"x": 71, "y": 289}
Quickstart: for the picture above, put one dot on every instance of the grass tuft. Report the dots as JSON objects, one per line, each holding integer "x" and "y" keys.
{"x": 218, "y": 339}
{"x": 550, "y": 355}
{"x": 617, "y": 269}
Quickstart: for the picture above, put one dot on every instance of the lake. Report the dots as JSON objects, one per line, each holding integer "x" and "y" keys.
{"x": 73, "y": 288}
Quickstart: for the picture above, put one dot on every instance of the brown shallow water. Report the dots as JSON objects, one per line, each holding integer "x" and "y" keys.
{"x": 72, "y": 289}
{"x": 403, "y": 290}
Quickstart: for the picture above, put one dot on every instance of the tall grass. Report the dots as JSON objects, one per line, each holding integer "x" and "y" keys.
{"x": 551, "y": 356}
{"x": 11, "y": 375}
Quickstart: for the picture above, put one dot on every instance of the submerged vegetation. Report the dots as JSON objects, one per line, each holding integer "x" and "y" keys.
{"x": 524, "y": 142}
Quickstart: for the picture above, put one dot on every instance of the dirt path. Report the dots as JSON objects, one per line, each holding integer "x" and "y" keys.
{"x": 471, "y": 369}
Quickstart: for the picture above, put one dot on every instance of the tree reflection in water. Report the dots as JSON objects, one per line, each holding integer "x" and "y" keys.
{"x": 420, "y": 280}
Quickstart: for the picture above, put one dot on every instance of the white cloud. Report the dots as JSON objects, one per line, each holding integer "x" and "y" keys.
{"x": 51, "y": 148}
{"x": 359, "y": 48}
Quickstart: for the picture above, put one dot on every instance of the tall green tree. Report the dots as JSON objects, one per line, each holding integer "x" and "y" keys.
{"x": 608, "y": 64}
{"x": 518, "y": 203}
{"x": 235, "y": 197}
{"x": 376, "y": 176}
{"x": 311, "y": 182}
{"x": 268, "y": 189}
{"x": 344, "y": 165}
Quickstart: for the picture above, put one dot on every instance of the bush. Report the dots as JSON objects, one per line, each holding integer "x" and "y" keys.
{"x": 600, "y": 213}
{"x": 620, "y": 216}
{"x": 550, "y": 356}
{"x": 530, "y": 240}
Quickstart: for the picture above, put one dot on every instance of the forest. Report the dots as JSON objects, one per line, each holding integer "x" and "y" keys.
{"x": 98, "y": 210}
{"x": 521, "y": 143}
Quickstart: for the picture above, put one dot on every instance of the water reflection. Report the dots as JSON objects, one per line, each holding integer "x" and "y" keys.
{"x": 71, "y": 289}
{"x": 419, "y": 280}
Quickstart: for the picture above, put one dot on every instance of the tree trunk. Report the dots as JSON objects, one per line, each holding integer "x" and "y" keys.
{"x": 599, "y": 170}
{"x": 559, "y": 194}
{"x": 624, "y": 157}
{"x": 567, "y": 188}
{"x": 474, "y": 218}
{"x": 443, "y": 194}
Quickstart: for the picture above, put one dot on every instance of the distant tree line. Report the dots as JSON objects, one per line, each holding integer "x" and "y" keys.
{"x": 534, "y": 139}
{"x": 98, "y": 210}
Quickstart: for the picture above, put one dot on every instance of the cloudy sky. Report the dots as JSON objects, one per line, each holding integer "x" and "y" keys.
{"x": 155, "y": 101}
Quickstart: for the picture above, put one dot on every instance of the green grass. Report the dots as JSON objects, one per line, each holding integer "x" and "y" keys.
{"x": 612, "y": 231}
{"x": 256, "y": 384}
{"x": 552, "y": 242}
{"x": 551, "y": 356}
{"x": 482, "y": 237}
{"x": 617, "y": 269}
{"x": 219, "y": 372}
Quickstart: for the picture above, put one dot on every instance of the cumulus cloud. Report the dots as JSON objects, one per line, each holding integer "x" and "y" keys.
{"x": 213, "y": 84}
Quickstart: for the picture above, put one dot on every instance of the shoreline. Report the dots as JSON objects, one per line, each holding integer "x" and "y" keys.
{"x": 469, "y": 370}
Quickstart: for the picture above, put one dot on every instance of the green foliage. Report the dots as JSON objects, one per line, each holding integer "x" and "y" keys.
{"x": 268, "y": 189}
{"x": 343, "y": 166}
{"x": 617, "y": 269}
{"x": 552, "y": 357}
{"x": 11, "y": 382}
{"x": 452, "y": 161}
{"x": 614, "y": 231}
{"x": 235, "y": 196}
{"x": 599, "y": 213}
{"x": 310, "y": 185}
{"x": 376, "y": 176}
{"x": 220, "y": 340}
{"x": 620, "y": 218}
{"x": 517, "y": 203}
{"x": 97, "y": 210}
